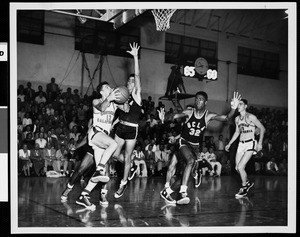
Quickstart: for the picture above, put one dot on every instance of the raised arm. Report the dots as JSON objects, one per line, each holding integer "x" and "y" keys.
{"x": 184, "y": 113}
{"x": 134, "y": 52}
{"x": 234, "y": 104}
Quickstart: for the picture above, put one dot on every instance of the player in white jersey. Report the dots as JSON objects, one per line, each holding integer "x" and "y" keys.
{"x": 246, "y": 123}
{"x": 98, "y": 137}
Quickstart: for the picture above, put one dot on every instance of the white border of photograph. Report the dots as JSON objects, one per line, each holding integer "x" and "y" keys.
{"x": 292, "y": 65}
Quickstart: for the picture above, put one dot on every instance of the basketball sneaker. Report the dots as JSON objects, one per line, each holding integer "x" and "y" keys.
{"x": 133, "y": 171}
{"x": 244, "y": 190}
{"x": 99, "y": 176}
{"x": 84, "y": 200}
{"x": 249, "y": 185}
{"x": 198, "y": 179}
{"x": 121, "y": 190}
{"x": 164, "y": 194}
{"x": 184, "y": 199}
{"x": 65, "y": 194}
{"x": 103, "y": 200}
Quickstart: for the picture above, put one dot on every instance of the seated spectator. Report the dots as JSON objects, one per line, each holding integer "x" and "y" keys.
{"x": 220, "y": 152}
{"x": 74, "y": 134}
{"x": 152, "y": 123}
{"x": 21, "y": 113}
{"x": 36, "y": 126}
{"x": 61, "y": 160}
{"x": 71, "y": 157}
{"x": 49, "y": 109}
{"x": 29, "y": 141}
{"x": 161, "y": 160}
{"x": 26, "y": 120}
{"x": 76, "y": 96}
{"x": 258, "y": 166}
{"x": 150, "y": 159}
{"x": 138, "y": 159}
{"x": 62, "y": 139}
{"x": 21, "y": 96}
{"x": 40, "y": 98}
{"x": 52, "y": 140}
{"x": 36, "y": 157}
{"x": 24, "y": 159}
{"x": 40, "y": 89}
{"x": 216, "y": 165}
{"x": 152, "y": 142}
{"x": 81, "y": 112}
{"x": 226, "y": 169}
{"x": 49, "y": 156}
{"x": 53, "y": 134}
{"x": 73, "y": 123}
{"x": 20, "y": 126}
{"x": 29, "y": 92}
{"x": 271, "y": 167}
{"x": 202, "y": 163}
{"x": 211, "y": 143}
{"x": 41, "y": 140}
{"x": 282, "y": 169}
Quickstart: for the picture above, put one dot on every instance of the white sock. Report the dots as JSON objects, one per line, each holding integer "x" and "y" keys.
{"x": 183, "y": 189}
{"x": 169, "y": 190}
{"x": 70, "y": 186}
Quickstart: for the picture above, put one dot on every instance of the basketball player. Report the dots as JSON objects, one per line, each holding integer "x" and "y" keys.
{"x": 86, "y": 166}
{"x": 98, "y": 136}
{"x": 127, "y": 129}
{"x": 246, "y": 124}
{"x": 174, "y": 158}
{"x": 192, "y": 131}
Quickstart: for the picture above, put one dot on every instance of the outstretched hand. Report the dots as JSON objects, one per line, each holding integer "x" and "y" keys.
{"x": 227, "y": 147}
{"x": 235, "y": 100}
{"x": 134, "y": 49}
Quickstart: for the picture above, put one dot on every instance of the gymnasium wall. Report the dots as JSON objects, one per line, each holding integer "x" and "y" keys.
{"x": 57, "y": 58}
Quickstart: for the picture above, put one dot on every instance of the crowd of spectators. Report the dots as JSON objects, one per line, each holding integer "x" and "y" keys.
{"x": 52, "y": 122}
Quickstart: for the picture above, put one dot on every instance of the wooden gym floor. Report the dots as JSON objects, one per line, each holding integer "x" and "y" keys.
{"x": 212, "y": 204}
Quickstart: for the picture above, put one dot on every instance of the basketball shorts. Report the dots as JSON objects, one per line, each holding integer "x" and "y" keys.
{"x": 92, "y": 132}
{"x": 81, "y": 151}
{"x": 187, "y": 149}
{"x": 126, "y": 132}
{"x": 248, "y": 145}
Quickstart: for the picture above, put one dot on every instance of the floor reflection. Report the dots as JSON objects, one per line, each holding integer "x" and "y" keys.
{"x": 212, "y": 204}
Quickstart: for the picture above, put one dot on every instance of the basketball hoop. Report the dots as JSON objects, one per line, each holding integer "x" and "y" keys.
{"x": 162, "y": 18}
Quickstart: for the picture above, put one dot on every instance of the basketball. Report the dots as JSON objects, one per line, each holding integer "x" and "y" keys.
{"x": 124, "y": 95}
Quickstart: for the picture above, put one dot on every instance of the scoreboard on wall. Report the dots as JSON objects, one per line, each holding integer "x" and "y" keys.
{"x": 201, "y": 69}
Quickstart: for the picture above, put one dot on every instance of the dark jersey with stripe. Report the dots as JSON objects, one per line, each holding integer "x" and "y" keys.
{"x": 193, "y": 129}
{"x": 133, "y": 115}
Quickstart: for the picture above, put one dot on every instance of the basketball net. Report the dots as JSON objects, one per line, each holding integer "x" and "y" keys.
{"x": 162, "y": 18}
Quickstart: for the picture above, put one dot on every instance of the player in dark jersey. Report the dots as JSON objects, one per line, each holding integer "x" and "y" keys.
{"x": 127, "y": 129}
{"x": 192, "y": 131}
{"x": 86, "y": 168}
{"x": 86, "y": 164}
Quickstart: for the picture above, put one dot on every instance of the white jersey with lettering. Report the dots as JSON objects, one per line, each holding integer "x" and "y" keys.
{"x": 103, "y": 119}
{"x": 247, "y": 130}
